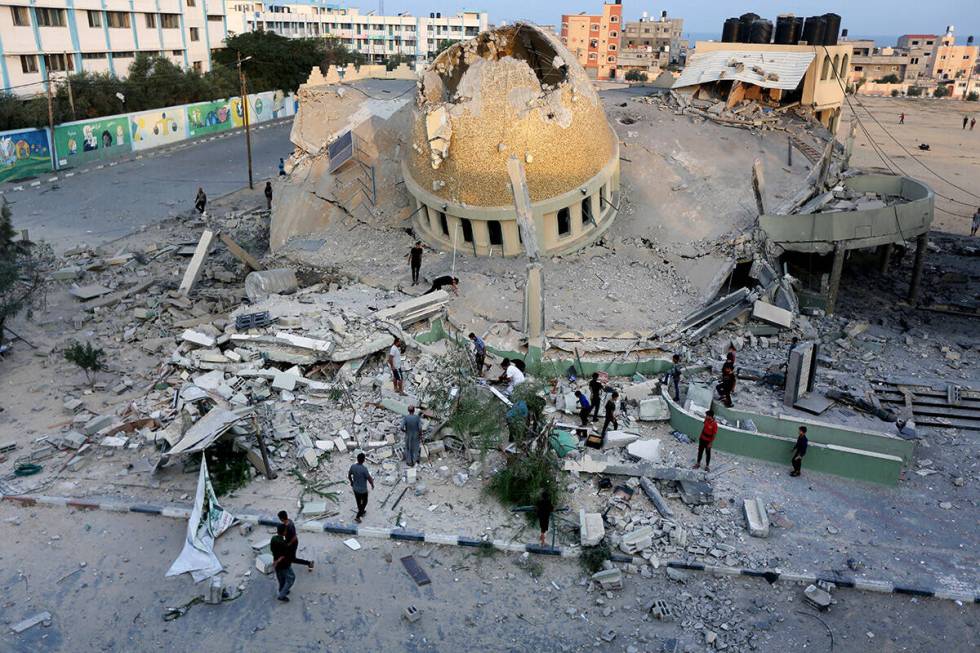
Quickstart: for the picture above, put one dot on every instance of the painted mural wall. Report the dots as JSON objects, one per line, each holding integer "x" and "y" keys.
{"x": 91, "y": 140}
{"x": 158, "y": 127}
{"x": 24, "y": 153}
{"x": 208, "y": 118}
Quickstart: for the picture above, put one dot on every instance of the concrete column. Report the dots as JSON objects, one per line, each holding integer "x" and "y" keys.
{"x": 512, "y": 239}
{"x": 921, "y": 244}
{"x": 533, "y": 320}
{"x": 575, "y": 216}
{"x": 835, "y": 274}
{"x": 481, "y": 236}
{"x": 884, "y": 258}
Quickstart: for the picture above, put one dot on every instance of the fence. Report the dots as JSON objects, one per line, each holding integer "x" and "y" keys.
{"x": 28, "y": 153}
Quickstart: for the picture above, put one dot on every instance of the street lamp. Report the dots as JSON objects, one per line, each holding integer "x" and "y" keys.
{"x": 248, "y": 131}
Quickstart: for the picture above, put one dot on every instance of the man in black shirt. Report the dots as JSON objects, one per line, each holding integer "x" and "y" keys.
{"x": 415, "y": 261}
{"x": 282, "y": 563}
{"x": 799, "y": 450}
{"x": 595, "y": 389}
{"x": 611, "y": 414}
{"x": 445, "y": 280}
{"x": 292, "y": 540}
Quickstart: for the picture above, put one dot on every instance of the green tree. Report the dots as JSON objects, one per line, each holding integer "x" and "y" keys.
{"x": 635, "y": 76}
{"x": 914, "y": 91}
{"x": 941, "y": 91}
{"x": 396, "y": 60}
{"x": 895, "y": 92}
{"x": 278, "y": 62}
{"x": 23, "y": 271}
{"x": 443, "y": 45}
{"x": 972, "y": 96}
{"x": 889, "y": 79}
{"x": 90, "y": 359}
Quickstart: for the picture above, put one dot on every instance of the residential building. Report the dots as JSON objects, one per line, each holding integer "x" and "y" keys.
{"x": 51, "y": 38}
{"x": 873, "y": 64}
{"x": 595, "y": 39}
{"x": 376, "y": 37}
{"x": 951, "y": 61}
{"x": 650, "y": 44}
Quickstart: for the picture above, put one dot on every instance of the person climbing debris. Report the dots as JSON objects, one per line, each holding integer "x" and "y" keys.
{"x": 595, "y": 394}
{"x": 674, "y": 376}
{"x": 479, "y": 353}
{"x": 708, "y": 432}
{"x": 200, "y": 201}
{"x": 799, "y": 450}
{"x": 395, "y": 364}
{"x": 268, "y": 195}
{"x": 414, "y": 257}
{"x": 727, "y": 384}
{"x": 359, "y": 477}
{"x": 544, "y": 508}
{"x": 282, "y": 168}
{"x": 412, "y": 425}
{"x": 441, "y": 282}
{"x": 584, "y": 407}
{"x": 611, "y": 414}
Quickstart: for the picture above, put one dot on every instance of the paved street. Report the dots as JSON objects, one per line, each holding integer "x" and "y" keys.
{"x": 104, "y": 204}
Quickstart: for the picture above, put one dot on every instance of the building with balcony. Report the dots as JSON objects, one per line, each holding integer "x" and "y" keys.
{"x": 378, "y": 38}
{"x": 595, "y": 39}
{"x": 38, "y": 43}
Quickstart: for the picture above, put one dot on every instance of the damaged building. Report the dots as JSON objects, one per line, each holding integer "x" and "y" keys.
{"x": 513, "y": 91}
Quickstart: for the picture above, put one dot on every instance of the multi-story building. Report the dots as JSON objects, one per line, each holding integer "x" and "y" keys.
{"x": 595, "y": 39}
{"x": 41, "y": 40}
{"x": 652, "y": 43}
{"x": 951, "y": 61}
{"x": 376, "y": 37}
{"x": 880, "y": 65}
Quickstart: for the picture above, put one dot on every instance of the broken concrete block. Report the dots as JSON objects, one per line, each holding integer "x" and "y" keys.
{"x": 97, "y": 423}
{"x": 411, "y": 475}
{"x": 261, "y": 284}
{"x": 113, "y": 441}
{"x": 325, "y": 445}
{"x": 411, "y": 614}
{"x": 68, "y": 273}
{"x": 854, "y": 329}
{"x": 591, "y": 528}
{"x": 647, "y": 450}
{"x": 283, "y": 381}
{"x": 314, "y": 507}
{"x": 618, "y": 439}
{"x": 310, "y": 458}
{"x": 817, "y": 597}
{"x": 756, "y": 517}
{"x": 698, "y": 394}
{"x": 772, "y": 314}
{"x": 340, "y": 444}
{"x": 263, "y": 562}
{"x": 637, "y": 540}
{"x": 215, "y": 591}
{"x": 73, "y": 439}
{"x": 245, "y": 529}
{"x": 73, "y": 405}
{"x": 85, "y": 293}
{"x": 30, "y": 622}
{"x": 197, "y": 338}
{"x": 653, "y": 410}
{"x": 609, "y": 579}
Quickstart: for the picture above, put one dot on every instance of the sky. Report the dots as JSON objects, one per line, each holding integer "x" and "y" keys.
{"x": 866, "y": 18}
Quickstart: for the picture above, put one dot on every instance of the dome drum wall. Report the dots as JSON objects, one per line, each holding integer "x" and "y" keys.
{"x": 513, "y": 91}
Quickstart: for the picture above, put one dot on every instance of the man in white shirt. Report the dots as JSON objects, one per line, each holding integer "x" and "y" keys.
{"x": 515, "y": 377}
{"x": 395, "y": 363}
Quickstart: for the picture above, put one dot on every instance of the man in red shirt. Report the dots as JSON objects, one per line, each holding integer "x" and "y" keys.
{"x": 708, "y": 433}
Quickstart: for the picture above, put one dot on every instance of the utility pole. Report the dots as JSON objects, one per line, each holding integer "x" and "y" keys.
{"x": 248, "y": 131}
{"x": 71, "y": 98}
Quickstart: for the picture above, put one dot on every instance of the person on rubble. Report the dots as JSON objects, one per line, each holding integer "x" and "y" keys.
{"x": 282, "y": 563}
{"x": 412, "y": 425}
{"x": 395, "y": 364}
{"x": 414, "y": 257}
{"x": 479, "y": 353}
{"x": 292, "y": 540}
{"x": 200, "y": 201}
{"x": 611, "y": 413}
{"x": 674, "y": 376}
{"x": 514, "y": 376}
{"x": 584, "y": 407}
{"x": 595, "y": 394}
{"x": 268, "y": 195}
{"x": 976, "y": 224}
{"x": 799, "y": 450}
{"x": 727, "y": 384}
{"x": 359, "y": 477}
{"x": 708, "y": 432}
{"x": 441, "y": 282}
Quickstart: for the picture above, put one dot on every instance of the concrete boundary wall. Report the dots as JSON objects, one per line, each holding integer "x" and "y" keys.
{"x": 859, "y": 464}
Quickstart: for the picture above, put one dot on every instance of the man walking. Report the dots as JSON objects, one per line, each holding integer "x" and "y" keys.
{"x": 973, "y": 123}
{"x": 292, "y": 540}
{"x": 359, "y": 477}
{"x": 282, "y": 168}
{"x": 415, "y": 260}
{"x": 268, "y": 195}
{"x": 611, "y": 414}
{"x": 674, "y": 376}
{"x": 200, "y": 201}
{"x": 901, "y": 118}
{"x": 976, "y": 223}
{"x": 479, "y": 353}
{"x": 595, "y": 394}
{"x": 412, "y": 425}
{"x": 584, "y": 408}
{"x": 395, "y": 364}
{"x": 966, "y": 119}
{"x": 799, "y": 450}
{"x": 282, "y": 563}
{"x": 708, "y": 432}
{"x": 727, "y": 383}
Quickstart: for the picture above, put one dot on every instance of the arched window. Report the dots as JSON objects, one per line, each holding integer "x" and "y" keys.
{"x": 836, "y": 68}
{"x": 843, "y": 66}
{"x": 825, "y": 72}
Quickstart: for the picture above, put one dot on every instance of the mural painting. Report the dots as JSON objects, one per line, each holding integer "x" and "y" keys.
{"x": 160, "y": 127}
{"x": 91, "y": 140}
{"x": 208, "y": 117}
{"x": 24, "y": 153}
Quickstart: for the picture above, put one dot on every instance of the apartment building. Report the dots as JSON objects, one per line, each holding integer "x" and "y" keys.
{"x": 44, "y": 39}
{"x": 376, "y": 37}
{"x": 951, "y": 61}
{"x": 595, "y": 39}
{"x": 650, "y": 44}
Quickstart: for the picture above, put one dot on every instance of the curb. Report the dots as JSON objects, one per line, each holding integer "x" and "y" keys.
{"x": 410, "y": 535}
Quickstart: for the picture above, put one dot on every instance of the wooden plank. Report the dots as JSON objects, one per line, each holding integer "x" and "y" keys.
{"x": 238, "y": 252}
{"x": 759, "y": 186}
{"x": 415, "y": 571}
{"x": 193, "y": 271}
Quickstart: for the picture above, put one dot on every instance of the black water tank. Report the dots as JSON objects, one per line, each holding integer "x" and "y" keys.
{"x": 746, "y": 21}
{"x": 786, "y": 31}
{"x": 731, "y": 30}
{"x": 798, "y": 21}
{"x": 843, "y": 33}
{"x": 813, "y": 30}
{"x": 761, "y": 31}
{"x": 831, "y": 29}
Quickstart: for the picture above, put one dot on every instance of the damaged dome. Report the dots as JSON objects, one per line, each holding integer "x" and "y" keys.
{"x": 512, "y": 90}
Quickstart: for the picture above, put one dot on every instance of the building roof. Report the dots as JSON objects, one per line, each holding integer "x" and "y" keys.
{"x": 789, "y": 67}
{"x": 919, "y": 36}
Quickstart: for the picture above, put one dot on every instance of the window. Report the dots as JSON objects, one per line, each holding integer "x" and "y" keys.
{"x": 151, "y": 20}
{"x": 94, "y": 18}
{"x": 443, "y": 223}
{"x": 59, "y": 63}
{"x": 50, "y": 17}
{"x": 613, "y": 35}
{"x": 595, "y": 27}
{"x": 194, "y": 34}
{"x": 191, "y": 3}
{"x": 496, "y": 233}
{"x": 20, "y": 16}
{"x": 612, "y": 46}
{"x": 117, "y": 19}
{"x": 915, "y": 43}
{"x": 171, "y": 21}
{"x": 124, "y": 54}
{"x": 858, "y": 68}
{"x": 467, "y": 230}
{"x": 929, "y": 42}
{"x": 93, "y": 55}
{"x": 198, "y": 67}
{"x": 586, "y": 210}
{"x": 564, "y": 223}
{"x": 177, "y": 53}
{"x": 611, "y": 59}
{"x": 614, "y": 19}
{"x": 594, "y": 43}
{"x": 215, "y": 18}
{"x": 28, "y": 63}
{"x": 825, "y": 72}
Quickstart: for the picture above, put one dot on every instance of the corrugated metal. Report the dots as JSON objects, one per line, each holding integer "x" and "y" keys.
{"x": 716, "y": 65}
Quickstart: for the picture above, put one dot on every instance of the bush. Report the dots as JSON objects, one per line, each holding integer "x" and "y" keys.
{"x": 525, "y": 477}
{"x": 592, "y": 557}
{"x": 895, "y": 92}
{"x": 227, "y": 467}
{"x": 973, "y": 96}
{"x": 941, "y": 91}
{"x": 23, "y": 271}
{"x": 889, "y": 79}
{"x": 636, "y": 76}
{"x": 87, "y": 357}
{"x": 915, "y": 91}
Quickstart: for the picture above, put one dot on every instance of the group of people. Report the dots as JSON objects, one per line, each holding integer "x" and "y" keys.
{"x": 709, "y": 431}
{"x": 589, "y": 406}
{"x": 972, "y": 121}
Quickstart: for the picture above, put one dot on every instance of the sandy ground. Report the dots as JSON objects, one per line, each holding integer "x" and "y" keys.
{"x": 951, "y": 167}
